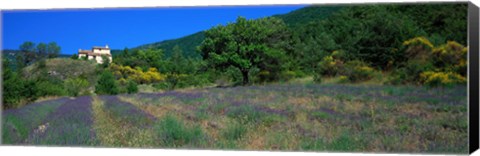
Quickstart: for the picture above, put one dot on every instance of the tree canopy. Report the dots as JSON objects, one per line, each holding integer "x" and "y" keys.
{"x": 247, "y": 44}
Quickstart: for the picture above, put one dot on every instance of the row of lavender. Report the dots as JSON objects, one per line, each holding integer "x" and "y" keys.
{"x": 62, "y": 121}
{"x": 126, "y": 112}
{"x": 17, "y": 124}
{"x": 70, "y": 124}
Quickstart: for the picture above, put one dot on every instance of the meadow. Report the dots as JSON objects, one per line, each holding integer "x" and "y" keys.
{"x": 275, "y": 117}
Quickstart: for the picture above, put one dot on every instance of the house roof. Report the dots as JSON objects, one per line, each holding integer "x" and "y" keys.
{"x": 99, "y": 47}
{"x": 84, "y": 51}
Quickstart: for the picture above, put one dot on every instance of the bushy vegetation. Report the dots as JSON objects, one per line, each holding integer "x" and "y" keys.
{"x": 442, "y": 65}
{"x": 407, "y": 47}
{"x": 403, "y": 44}
{"x": 106, "y": 84}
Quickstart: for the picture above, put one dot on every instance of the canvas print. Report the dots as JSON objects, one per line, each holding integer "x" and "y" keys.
{"x": 388, "y": 78}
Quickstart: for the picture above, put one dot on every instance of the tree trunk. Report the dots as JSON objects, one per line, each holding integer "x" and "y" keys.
{"x": 245, "y": 77}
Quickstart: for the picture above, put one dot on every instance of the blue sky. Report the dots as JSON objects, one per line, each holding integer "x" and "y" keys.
{"x": 120, "y": 28}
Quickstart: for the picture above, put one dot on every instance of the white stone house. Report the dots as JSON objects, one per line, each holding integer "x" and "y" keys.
{"x": 96, "y": 53}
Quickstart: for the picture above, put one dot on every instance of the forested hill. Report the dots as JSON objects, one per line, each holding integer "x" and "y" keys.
{"x": 440, "y": 22}
{"x": 306, "y": 15}
{"x": 188, "y": 44}
{"x": 293, "y": 19}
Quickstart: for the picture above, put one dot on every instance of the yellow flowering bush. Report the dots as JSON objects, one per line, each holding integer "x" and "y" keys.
{"x": 124, "y": 73}
{"x": 343, "y": 79}
{"x": 433, "y": 79}
{"x": 329, "y": 66}
{"x": 418, "y": 48}
{"x": 452, "y": 56}
{"x": 358, "y": 71}
{"x": 418, "y": 41}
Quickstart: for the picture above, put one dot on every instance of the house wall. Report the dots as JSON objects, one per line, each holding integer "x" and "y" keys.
{"x": 101, "y": 51}
{"x": 99, "y": 59}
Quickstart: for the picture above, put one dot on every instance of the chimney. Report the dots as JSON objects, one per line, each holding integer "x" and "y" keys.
{"x": 106, "y": 46}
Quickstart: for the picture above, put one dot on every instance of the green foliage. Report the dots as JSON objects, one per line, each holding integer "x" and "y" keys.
{"x": 74, "y": 57}
{"x": 357, "y": 71}
{"x": 343, "y": 79}
{"x": 317, "y": 78}
{"x": 174, "y": 133}
{"x": 132, "y": 87}
{"x": 187, "y": 44}
{"x": 106, "y": 84}
{"x": 106, "y": 61}
{"x": 234, "y": 131}
{"x": 442, "y": 65}
{"x": 16, "y": 91}
{"x": 142, "y": 58}
{"x": 76, "y": 86}
{"x": 49, "y": 88}
{"x": 29, "y": 53}
{"x": 330, "y": 66}
{"x": 434, "y": 79}
{"x": 247, "y": 44}
{"x": 346, "y": 142}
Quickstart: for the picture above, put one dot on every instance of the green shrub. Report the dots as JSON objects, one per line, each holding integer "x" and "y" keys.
{"x": 17, "y": 91}
{"x": 76, "y": 86}
{"x": 161, "y": 85}
{"x": 357, "y": 71}
{"x": 132, "y": 87}
{"x": 410, "y": 73}
{"x": 234, "y": 131}
{"x": 317, "y": 78}
{"x": 173, "y": 133}
{"x": 48, "y": 88}
{"x": 329, "y": 66}
{"x": 246, "y": 114}
{"x": 287, "y": 75}
{"x": 106, "y": 84}
{"x": 343, "y": 79}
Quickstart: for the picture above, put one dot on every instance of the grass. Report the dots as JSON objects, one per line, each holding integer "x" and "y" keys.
{"x": 174, "y": 133}
{"x": 289, "y": 117}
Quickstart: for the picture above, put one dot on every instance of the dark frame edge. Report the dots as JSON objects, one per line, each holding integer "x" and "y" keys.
{"x": 473, "y": 52}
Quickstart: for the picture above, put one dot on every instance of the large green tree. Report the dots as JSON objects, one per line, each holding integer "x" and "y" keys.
{"x": 53, "y": 50}
{"x": 246, "y": 45}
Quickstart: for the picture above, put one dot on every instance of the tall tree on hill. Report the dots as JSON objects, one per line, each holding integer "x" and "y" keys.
{"x": 53, "y": 50}
{"x": 41, "y": 50}
{"x": 247, "y": 44}
{"x": 27, "y": 55}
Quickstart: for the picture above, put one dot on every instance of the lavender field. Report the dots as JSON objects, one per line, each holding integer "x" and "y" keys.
{"x": 286, "y": 117}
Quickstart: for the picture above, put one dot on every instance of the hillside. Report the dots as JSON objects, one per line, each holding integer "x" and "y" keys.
{"x": 63, "y": 68}
{"x": 306, "y": 15}
{"x": 293, "y": 19}
{"x": 11, "y": 54}
{"x": 188, "y": 44}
